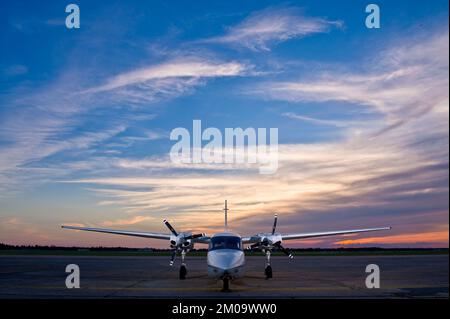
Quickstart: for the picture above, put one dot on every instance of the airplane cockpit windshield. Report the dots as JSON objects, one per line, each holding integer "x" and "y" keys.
{"x": 225, "y": 242}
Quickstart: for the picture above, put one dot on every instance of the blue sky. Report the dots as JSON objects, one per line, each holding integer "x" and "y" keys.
{"x": 85, "y": 116}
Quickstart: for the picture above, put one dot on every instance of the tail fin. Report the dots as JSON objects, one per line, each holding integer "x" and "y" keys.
{"x": 226, "y": 215}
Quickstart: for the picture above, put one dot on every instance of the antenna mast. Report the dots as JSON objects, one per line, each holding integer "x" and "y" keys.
{"x": 226, "y": 213}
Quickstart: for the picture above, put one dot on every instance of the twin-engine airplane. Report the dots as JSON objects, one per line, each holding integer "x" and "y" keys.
{"x": 226, "y": 259}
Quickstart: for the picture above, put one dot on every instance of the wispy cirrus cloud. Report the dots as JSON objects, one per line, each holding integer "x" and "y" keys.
{"x": 399, "y": 79}
{"x": 179, "y": 68}
{"x": 309, "y": 119}
{"x": 263, "y": 29}
{"x": 47, "y": 121}
{"x": 381, "y": 172}
{"x": 170, "y": 79}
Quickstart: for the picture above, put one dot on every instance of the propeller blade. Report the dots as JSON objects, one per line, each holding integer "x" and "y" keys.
{"x": 194, "y": 236}
{"x": 285, "y": 251}
{"x": 274, "y": 224}
{"x": 253, "y": 246}
{"x": 172, "y": 259}
{"x": 170, "y": 227}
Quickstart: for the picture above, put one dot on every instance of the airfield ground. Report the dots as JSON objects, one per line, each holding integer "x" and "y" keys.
{"x": 402, "y": 276}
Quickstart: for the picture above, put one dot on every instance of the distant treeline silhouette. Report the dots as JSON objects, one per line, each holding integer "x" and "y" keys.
{"x": 101, "y": 248}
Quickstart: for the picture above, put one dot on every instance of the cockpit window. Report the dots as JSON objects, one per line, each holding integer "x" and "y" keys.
{"x": 225, "y": 242}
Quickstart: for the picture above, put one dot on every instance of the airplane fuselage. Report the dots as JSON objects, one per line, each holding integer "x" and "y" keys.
{"x": 226, "y": 258}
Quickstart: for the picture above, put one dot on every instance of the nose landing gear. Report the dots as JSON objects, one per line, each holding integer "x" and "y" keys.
{"x": 226, "y": 285}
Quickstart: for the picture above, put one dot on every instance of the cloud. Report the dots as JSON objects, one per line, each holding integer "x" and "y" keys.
{"x": 29, "y": 144}
{"x": 318, "y": 121}
{"x": 130, "y": 221}
{"x": 265, "y": 28}
{"x": 163, "y": 75}
{"x": 377, "y": 175}
{"x": 435, "y": 238}
{"x": 147, "y": 135}
{"x": 19, "y": 231}
{"x": 402, "y": 82}
{"x": 49, "y": 120}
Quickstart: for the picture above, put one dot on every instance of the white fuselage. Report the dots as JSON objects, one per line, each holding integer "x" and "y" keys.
{"x": 226, "y": 257}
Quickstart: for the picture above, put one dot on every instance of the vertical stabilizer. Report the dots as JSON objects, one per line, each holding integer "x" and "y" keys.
{"x": 226, "y": 215}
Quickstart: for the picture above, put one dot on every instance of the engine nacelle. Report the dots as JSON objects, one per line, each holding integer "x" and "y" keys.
{"x": 180, "y": 241}
{"x": 268, "y": 240}
{"x": 175, "y": 240}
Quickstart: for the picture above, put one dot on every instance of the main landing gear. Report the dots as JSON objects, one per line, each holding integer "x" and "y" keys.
{"x": 183, "y": 270}
{"x": 268, "y": 270}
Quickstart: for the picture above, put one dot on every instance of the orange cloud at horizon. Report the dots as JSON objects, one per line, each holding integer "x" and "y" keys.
{"x": 438, "y": 237}
{"x": 128, "y": 221}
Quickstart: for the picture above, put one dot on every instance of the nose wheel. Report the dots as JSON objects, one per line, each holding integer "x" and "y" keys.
{"x": 226, "y": 285}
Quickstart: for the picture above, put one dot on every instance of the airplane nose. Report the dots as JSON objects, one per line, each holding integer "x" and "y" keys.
{"x": 226, "y": 258}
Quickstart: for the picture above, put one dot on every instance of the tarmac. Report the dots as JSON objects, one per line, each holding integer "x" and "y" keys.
{"x": 410, "y": 276}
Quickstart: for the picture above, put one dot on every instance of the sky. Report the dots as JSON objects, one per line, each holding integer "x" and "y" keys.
{"x": 362, "y": 117}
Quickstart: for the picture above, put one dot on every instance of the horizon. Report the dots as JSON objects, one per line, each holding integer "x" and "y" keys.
{"x": 3, "y": 245}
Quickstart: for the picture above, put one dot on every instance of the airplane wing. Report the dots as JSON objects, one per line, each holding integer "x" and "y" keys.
{"x": 331, "y": 233}
{"x": 256, "y": 238}
{"x": 201, "y": 239}
{"x": 122, "y": 232}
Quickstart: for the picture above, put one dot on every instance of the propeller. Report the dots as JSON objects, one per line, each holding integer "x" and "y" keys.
{"x": 274, "y": 224}
{"x": 272, "y": 240}
{"x": 284, "y": 250}
{"x": 172, "y": 230}
{"x": 180, "y": 241}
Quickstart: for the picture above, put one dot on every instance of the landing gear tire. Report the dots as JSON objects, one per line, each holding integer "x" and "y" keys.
{"x": 226, "y": 285}
{"x": 183, "y": 272}
{"x": 268, "y": 272}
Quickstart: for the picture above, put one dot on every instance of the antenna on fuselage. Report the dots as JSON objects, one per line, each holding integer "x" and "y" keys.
{"x": 226, "y": 215}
